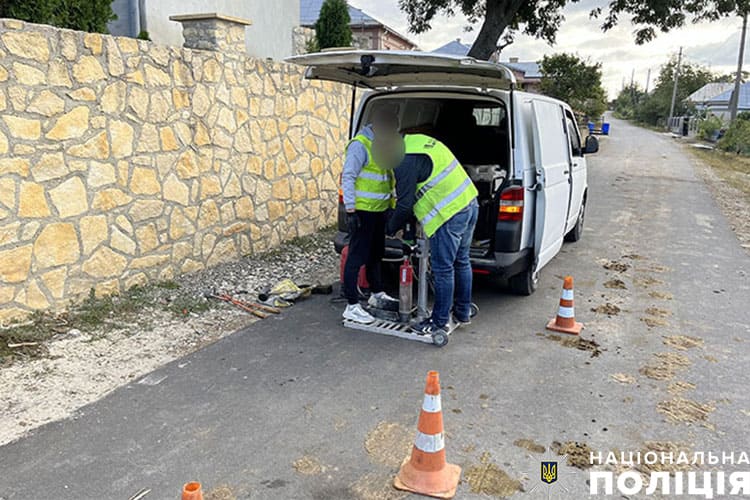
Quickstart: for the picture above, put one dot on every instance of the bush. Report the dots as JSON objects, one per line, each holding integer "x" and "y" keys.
{"x": 737, "y": 137}
{"x": 709, "y": 128}
{"x": 332, "y": 28}
{"x": 82, "y": 15}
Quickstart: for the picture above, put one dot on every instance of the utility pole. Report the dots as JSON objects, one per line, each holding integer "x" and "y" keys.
{"x": 648, "y": 79}
{"x": 674, "y": 90}
{"x": 734, "y": 104}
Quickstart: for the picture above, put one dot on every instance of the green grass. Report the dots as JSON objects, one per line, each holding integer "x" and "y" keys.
{"x": 733, "y": 169}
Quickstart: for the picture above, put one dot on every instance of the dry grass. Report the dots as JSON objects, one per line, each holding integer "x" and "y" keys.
{"x": 733, "y": 169}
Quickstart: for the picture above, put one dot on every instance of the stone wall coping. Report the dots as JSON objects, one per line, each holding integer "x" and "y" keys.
{"x": 208, "y": 16}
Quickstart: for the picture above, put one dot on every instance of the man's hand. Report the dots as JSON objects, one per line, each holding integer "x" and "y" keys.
{"x": 352, "y": 222}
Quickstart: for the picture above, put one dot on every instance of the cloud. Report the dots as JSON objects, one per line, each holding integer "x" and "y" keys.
{"x": 710, "y": 44}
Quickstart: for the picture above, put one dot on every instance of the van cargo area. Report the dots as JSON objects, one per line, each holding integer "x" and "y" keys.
{"x": 475, "y": 128}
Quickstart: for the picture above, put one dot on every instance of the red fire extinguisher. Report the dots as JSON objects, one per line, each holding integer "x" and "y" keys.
{"x": 405, "y": 281}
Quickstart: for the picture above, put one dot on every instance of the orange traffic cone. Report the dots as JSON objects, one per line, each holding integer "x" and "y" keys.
{"x": 427, "y": 472}
{"x": 192, "y": 491}
{"x": 565, "y": 321}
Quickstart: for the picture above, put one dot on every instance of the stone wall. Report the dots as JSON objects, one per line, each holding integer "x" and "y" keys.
{"x": 124, "y": 162}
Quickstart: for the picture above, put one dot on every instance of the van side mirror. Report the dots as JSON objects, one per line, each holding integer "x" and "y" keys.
{"x": 591, "y": 145}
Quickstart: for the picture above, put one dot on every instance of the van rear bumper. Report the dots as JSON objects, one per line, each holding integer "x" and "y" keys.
{"x": 500, "y": 264}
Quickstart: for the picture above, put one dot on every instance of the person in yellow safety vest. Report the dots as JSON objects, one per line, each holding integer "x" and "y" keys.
{"x": 432, "y": 185}
{"x": 368, "y": 194}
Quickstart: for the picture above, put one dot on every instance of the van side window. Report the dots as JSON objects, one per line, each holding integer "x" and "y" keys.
{"x": 488, "y": 116}
{"x": 575, "y": 139}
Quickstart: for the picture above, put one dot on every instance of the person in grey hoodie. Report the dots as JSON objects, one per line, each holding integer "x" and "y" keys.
{"x": 368, "y": 194}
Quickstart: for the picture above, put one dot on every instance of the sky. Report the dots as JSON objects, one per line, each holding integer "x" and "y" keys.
{"x": 713, "y": 45}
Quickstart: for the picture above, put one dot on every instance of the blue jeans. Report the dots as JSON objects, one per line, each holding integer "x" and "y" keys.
{"x": 451, "y": 268}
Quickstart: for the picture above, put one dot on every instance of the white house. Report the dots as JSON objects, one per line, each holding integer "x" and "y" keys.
{"x": 270, "y": 34}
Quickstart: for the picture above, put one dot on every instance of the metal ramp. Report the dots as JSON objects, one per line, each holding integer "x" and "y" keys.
{"x": 384, "y": 327}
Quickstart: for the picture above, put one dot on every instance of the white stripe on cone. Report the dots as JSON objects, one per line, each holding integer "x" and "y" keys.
{"x": 431, "y": 403}
{"x": 566, "y": 312}
{"x": 430, "y": 443}
{"x": 567, "y": 294}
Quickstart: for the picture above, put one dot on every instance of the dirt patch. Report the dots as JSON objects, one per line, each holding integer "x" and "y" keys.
{"x": 376, "y": 487}
{"x": 615, "y": 284}
{"x": 657, "y": 311}
{"x": 660, "y": 295}
{"x": 607, "y": 308}
{"x": 389, "y": 444}
{"x": 710, "y": 358}
{"x": 576, "y": 342}
{"x": 579, "y": 454}
{"x": 221, "y": 493}
{"x": 647, "y": 282}
{"x": 529, "y": 444}
{"x": 489, "y": 479}
{"x": 308, "y": 466}
{"x": 634, "y": 256}
{"x": 615, "y": 265}
{"x": 623, "y": 378}
{"x": 665, "y": 365}
{"x": 681, "y": 410}
{"x": 82, "y": 367}
{"x": 682, "y": 342}
{"x": 653, "y": 322}
{"x": 679, "y": 387}
{"x": 665, "y": 447}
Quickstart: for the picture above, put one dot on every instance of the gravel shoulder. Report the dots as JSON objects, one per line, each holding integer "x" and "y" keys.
{"x": 728, "y": 179}
{"x": 74, "y": 359}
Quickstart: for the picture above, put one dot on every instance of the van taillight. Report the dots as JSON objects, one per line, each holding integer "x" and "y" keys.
{"x": 511, "y": 204}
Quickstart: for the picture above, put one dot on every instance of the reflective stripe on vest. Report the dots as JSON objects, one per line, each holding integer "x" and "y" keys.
{"x": 447, "y": 190}
{"x": 374, "y": 185}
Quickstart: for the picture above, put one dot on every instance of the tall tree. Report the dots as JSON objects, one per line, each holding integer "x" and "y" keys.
{"x": 501, "y": 20}
{"x": 569, "y": 78}
{"x": 82, "y": 15}
{"x": 332, "y": 28}
{"x": 654, "y": 109}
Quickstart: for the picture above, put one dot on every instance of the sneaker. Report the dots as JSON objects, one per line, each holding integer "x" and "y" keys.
{"x": 382, "y": 300}
{"x": 428, "y": 327}
{"x": 356, "y": 313}
{"x": 460, "y": 322}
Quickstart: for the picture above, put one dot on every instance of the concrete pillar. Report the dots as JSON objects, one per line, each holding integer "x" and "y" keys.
{"x": 213, "y": 32}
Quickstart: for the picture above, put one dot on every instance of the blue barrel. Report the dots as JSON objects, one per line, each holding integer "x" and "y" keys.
{"x": 605, "y": 128}
{"x": 591, "y": 127}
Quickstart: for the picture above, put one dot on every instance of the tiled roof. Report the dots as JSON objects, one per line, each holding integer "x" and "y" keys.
{"x": 453, "y": 48}
{"x": 309, "y": 10}
{"x": 529, "y": 69}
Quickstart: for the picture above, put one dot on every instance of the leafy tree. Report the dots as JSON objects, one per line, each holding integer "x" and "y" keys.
{"x": 737, "y": 137}
{"x": 332, "y": 28}
{"x": 82, "y": 15}
{"x": 709, "y": 127}
{"x": 569, "y": 78}
{"x": 654, "y": 109}
{"x": 501, "y": 20}
{"x": 627, "y": 101}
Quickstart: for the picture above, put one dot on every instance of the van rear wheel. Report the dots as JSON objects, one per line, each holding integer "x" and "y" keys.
{"x": 524, "y": 283}
{"x": 577, "y": 231}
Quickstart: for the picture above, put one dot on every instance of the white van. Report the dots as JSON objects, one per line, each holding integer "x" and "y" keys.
{"x": 523, "y": 151}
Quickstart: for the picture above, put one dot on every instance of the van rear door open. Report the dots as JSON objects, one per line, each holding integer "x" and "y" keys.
{"x": 552, "y": 165}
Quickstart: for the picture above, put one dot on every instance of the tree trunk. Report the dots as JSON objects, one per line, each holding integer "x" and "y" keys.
{"x": 499, "y": 14}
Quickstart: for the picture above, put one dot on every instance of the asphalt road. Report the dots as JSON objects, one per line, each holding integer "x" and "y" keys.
{"x": 298, "y": 407}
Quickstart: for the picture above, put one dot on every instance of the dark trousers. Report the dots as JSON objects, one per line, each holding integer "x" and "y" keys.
{"x": 366, "y": 248}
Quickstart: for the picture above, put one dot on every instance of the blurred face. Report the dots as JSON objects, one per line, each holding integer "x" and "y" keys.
{"x": 387, "y": 145}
